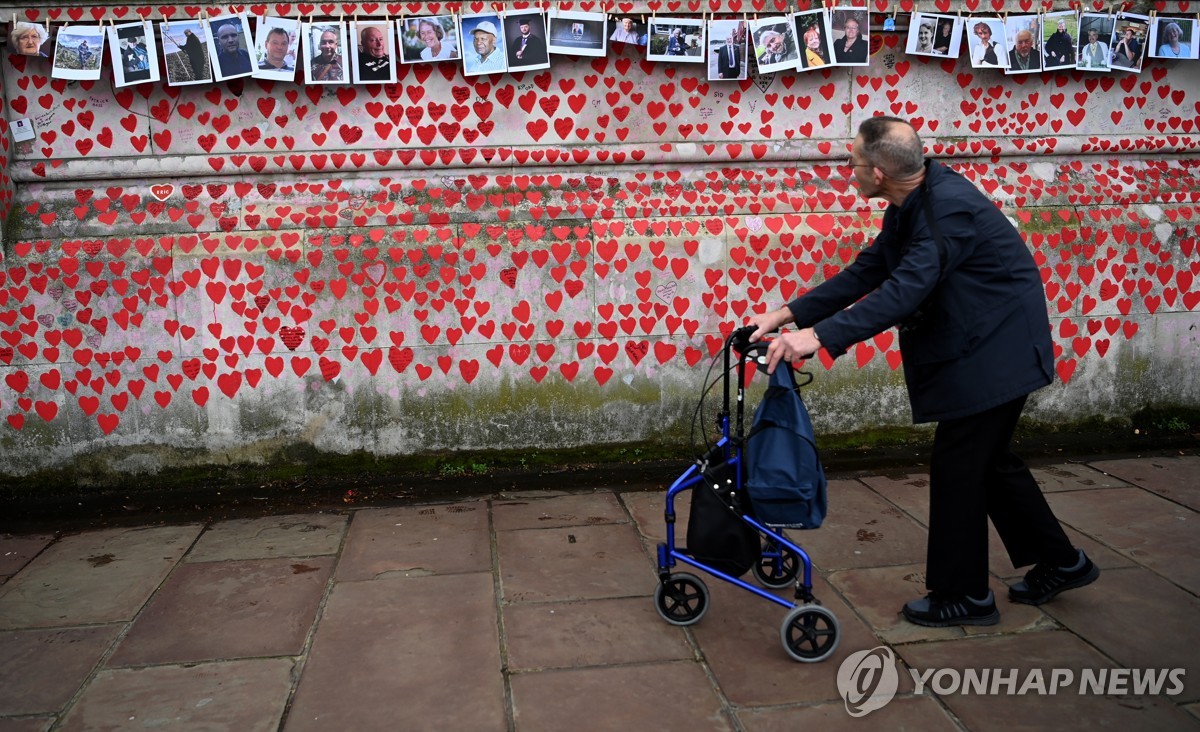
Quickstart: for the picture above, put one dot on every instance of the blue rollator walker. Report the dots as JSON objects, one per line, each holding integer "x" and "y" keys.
{"x": 810, "y": 632}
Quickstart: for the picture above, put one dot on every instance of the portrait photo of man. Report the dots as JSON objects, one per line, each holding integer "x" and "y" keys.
{"x": 134, "y": 53}
{"x": 775, "y": 45}
{"x": 276, "y": 48}
{"x": 185, "y": 52}
{"x": 228, "y": 46}
{"x": 727, "y": 49}
{"x": 1094, "y": 31}
{"x": 325, "y": 46}
{"x": 1024, "y": 54}
{"x": 485, "y": 51}
{"x": 373, "y": 51}
{"x": 77, "y": 52}
{"x": 527, "y": 42}
{"x": 1128, "y": 42}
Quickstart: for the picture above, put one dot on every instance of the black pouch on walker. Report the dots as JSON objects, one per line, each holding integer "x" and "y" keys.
{"x": 716, "y": 534}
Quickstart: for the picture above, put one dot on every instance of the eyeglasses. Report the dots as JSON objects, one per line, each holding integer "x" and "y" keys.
{"x": 852, "y": 164}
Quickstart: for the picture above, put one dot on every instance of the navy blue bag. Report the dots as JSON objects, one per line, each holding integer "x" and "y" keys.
{"x": 784, "y": 476}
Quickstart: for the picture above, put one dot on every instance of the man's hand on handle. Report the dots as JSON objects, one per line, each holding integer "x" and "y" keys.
{"x": 786, "y": 346}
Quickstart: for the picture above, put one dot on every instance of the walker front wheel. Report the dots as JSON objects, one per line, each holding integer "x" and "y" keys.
{"x": 681, "y": 599}
{"x": 809, "y": 633}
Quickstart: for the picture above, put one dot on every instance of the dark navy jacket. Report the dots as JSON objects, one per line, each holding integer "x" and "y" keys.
{"x": 984, "y": 338}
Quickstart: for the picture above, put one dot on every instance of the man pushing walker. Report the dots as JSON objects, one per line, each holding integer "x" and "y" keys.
{"x": 950, "y": 270}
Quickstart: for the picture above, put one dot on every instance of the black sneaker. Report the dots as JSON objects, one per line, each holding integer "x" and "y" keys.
{"x": 1043, "y": 582}
{"x": 940, "y": 611}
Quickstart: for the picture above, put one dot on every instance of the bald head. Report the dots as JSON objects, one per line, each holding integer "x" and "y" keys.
{"x": 892, "y": 145}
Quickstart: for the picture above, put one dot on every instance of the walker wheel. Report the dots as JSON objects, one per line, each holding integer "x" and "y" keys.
{"x": 776, "y": 572}
{"x": 681, "y": 599}
{"x": 809, "y": 633}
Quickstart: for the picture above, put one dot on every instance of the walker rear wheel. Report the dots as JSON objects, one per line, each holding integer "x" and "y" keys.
{"x": 809, "y": 633}
{"x": 681, "y": 599}
{"x": 776, "y": 572}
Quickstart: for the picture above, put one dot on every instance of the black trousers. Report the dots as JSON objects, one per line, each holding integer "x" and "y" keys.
{"x": 973, "y": 476}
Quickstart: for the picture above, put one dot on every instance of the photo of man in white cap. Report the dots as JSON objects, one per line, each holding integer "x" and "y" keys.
{"x": 486, "y": 54}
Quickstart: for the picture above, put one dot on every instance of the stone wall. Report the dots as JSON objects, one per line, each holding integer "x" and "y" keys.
{"x": 219, "y": 273}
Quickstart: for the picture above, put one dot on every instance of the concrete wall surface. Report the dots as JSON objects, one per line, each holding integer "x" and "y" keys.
{"x": 222, "y": 272}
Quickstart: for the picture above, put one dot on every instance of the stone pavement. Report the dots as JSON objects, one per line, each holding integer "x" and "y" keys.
{"x": 535, "y": 612}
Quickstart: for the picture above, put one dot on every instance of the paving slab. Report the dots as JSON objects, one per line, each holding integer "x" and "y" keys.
{"x": 1175, "y": 478}
{"x": 901, "y": 713}
{"x": 40, "y": 670}
{"x": 247, "y": 696}
{"x": 250, "y": 608}
{"x": 862, "y": 530}
{"x": 92, "y": 578}
{"x": 1150, "y": 530}
{"x": 1138, "y": 619}
{"x": 1074, "y": 477}
{"x": 592, "y": 633}
{"x": 646, "y": 508}
{"x": 26, "y": 724}
{"x": 416, "y": 540}
{"x": 740, "y": 639}
{"x": 1043, "y": 651}
{"x": 573, "y": 563}
{"x": 306, "y": 535}
{"x": 17, "y": 549}
{"x": 663, "y": 696}
{"x": 404, "y": 653}
{"x": 585, "y": 509}
{"x": 911, "y": 495}
{"x": 878, "y": 593}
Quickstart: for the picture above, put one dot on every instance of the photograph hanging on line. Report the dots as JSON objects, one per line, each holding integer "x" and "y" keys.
{"x": 813, "y": 35}
{"x": 1059, "y": 33}
{"x": 931, "y": 34}
{"x": 276, "y": 48}
{"x": 1128, "y": 43}
{"x": 1174, "y": 38}
{"x": 577, "y": 34}
{"x": 229, "y": 47}
{"x": 851, "y": 33}
{"x": 372, "y": 50}
{"x": 627, "y": 29}
{"x": 185, "y": 52}
{"x": 1095, "y": 31}
{"x": 526, "y": 34}
{"x": 30, "y": 39}
{"x": 428, "y": 39}
{"x": 774, "y": 41}
{"x": 1023, "y": 34}
{"x": 134, "y": 53}
{"x": 78, "y": 52}
{"x": 727, "y": 43}
{"x": 325, "y": 53}
{"x": 986, "y": 43}
{"x": 484, "y": 52}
